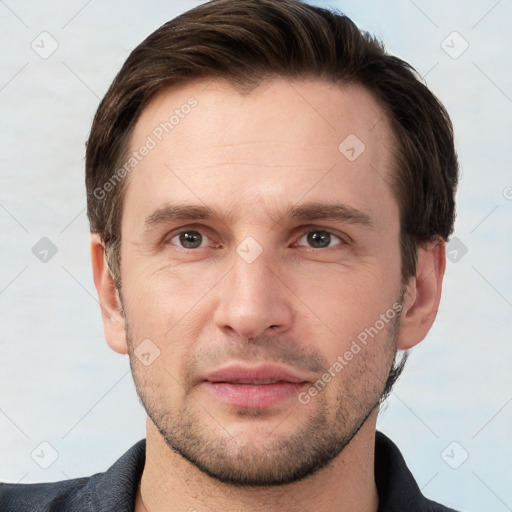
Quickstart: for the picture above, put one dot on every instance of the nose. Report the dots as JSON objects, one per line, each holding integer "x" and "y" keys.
{"x": 253, "y": 300}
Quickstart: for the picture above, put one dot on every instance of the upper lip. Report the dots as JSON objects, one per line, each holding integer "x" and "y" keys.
{"x": 263, "y": 374}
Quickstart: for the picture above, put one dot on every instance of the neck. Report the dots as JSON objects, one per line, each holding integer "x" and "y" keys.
{"x": 170, "y": 483}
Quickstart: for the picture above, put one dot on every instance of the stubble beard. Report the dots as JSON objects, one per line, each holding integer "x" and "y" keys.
{"x": 277, "y": 459}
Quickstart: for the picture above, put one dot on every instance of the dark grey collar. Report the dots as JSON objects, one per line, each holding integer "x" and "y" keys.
{"x": 115, "y": 490}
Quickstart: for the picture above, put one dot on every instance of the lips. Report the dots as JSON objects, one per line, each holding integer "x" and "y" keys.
{"x": 259, "y": 387}
{"x": 259, "y": 375}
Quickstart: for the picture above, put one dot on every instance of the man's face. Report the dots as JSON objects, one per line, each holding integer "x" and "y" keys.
{"x": 260, "y": 239}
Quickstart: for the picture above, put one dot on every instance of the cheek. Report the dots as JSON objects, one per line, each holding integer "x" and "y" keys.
{"x": 348, "y": 301}
{"x": 158, "y": 384}
{"x": 161, "y": 299}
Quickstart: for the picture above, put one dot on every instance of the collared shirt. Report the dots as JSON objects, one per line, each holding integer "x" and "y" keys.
{"x": 115, "y": 489}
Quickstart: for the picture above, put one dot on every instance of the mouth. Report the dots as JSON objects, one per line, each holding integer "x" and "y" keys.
{"x": 256, "y": 388}
{"x": 251, "y": 382}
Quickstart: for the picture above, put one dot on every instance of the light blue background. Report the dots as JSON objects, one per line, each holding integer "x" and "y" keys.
{"x": 60, "y": 383}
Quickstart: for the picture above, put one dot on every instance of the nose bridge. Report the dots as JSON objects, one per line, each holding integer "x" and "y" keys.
{"x": 252, "y": 297}
{"x": 252, "y": 274}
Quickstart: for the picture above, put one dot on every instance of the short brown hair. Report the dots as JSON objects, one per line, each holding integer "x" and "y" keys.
{"x": 248, "y": 41}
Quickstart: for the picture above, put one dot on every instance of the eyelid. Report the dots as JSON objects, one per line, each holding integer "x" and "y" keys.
{"x": 341, "y": 242}
{"x": 303, "y": 230}
{"x": 203, "y": 230}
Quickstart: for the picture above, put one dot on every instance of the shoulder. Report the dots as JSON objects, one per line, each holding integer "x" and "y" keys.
{"x": 432, "y": 506}
{"x": 54, "y": 496}
{"x": 396, "y": 485}
{"x": 111, "y": 491}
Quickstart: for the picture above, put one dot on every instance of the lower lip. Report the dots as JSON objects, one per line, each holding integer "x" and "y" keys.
{"x": 254, "y": 396}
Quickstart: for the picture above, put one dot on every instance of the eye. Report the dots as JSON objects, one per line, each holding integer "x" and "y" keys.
{"x": 319, "y": 239}
{"x": 189, "y": 239}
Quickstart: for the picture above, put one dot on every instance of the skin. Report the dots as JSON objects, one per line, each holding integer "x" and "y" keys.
{"x": 298, "y": 304}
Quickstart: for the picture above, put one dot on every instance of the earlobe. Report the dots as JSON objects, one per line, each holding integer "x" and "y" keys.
{"x": 423, "y": 294}
{"x": 108, "y": 295}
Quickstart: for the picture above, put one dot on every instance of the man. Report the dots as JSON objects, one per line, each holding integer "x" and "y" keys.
{"x": 269, "y": 195}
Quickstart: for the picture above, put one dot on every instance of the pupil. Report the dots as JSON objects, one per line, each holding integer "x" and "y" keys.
{"x": 190, "y": 240}
{"x": 319, "y": 238}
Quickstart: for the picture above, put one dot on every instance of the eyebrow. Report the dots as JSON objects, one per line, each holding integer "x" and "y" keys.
{"x": 327, "y": 211}
{"x": 179, "y": 212}
{"x": 303, "y": 212}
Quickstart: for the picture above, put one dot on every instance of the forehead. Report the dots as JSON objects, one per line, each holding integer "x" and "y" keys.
{"x": 329, "y": 110}
{"x": 204, "y": 141}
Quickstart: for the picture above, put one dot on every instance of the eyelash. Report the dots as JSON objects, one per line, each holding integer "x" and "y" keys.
{"x": 342, "y": 240}
{"x": 333, "y": 235}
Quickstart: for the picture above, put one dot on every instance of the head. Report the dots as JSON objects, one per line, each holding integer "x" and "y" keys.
{"x": 267, "y": 186}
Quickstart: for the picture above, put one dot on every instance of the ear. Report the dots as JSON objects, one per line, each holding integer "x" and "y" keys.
{"x": 113, "y": 319}
{"x": 422, "y": 295}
